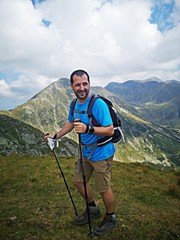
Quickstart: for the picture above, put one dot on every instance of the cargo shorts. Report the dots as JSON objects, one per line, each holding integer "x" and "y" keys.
{"x": 102, "y": 173}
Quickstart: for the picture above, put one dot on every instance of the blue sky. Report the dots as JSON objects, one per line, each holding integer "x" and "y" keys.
{"x": 161, "y": 15}
{"x": 117, "y": 40}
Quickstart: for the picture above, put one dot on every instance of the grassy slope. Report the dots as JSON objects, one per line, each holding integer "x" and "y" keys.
{"x": 35, "y": 204}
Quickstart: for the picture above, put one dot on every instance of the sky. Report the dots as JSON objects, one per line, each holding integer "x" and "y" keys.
{"x": 113, "y": 40}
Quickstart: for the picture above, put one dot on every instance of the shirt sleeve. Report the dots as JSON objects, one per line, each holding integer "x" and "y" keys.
{"x": 101, "y": 113}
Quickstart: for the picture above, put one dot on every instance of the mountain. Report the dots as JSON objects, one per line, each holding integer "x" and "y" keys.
{"x": 20, "y": 138}
{"x": 152, "y": 100}
{"x": 47, "y": 110}
{"x": 144, "y": 141}
{"x": 17, "y": 137}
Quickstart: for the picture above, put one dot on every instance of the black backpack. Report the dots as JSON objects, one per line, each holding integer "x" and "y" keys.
{"x": 118, "y": 134}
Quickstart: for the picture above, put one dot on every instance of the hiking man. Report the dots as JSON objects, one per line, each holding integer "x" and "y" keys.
{"x": 98, "y": 159}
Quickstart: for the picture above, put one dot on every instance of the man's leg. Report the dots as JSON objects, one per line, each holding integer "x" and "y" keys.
{"x": 94, "y": 211}
{"x": 103, "y": 181}
{"x": 78, "y": 179}
{"x": 109, "y": 220}
{"x": 108, "y": 199}
{"x": 80, "y": 187}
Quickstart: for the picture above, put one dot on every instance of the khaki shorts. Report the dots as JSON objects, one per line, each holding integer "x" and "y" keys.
{"x": 102, "y": 173}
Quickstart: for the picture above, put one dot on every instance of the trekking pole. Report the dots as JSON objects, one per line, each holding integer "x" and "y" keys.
{"x": 52, "y": 147}
{"x": 84, "y": 182}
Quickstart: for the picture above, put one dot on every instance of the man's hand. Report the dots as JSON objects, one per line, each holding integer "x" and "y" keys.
{"x": 80, "y": 127}
{"x": 46, "y": 136}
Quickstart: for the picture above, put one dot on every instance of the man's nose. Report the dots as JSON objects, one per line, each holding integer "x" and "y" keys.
{"x": 81, "y": 86}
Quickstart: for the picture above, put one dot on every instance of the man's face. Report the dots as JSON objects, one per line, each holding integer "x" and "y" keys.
{"x": 81, "y": 86}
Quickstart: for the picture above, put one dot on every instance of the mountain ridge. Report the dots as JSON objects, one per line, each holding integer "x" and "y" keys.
{"x": 152, "y": 100}
{"x": 145, "y": 141}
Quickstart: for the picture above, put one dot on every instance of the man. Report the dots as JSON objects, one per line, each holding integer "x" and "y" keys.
{"x": 98, "y": 159}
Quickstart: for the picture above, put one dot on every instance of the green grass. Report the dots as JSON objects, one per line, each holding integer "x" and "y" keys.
{"x": 35, "y": 204}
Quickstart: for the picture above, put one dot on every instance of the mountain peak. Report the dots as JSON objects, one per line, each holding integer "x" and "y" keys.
{"x": 60, "y": 83}
{"x": 154, "y": 79}
{"x": 63, "y": 82}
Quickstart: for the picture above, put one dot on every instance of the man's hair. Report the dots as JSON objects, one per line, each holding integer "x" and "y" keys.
{"x": 79, "y": 73}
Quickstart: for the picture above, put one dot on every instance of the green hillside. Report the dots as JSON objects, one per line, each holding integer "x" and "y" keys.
{"x": 34, "y": 202}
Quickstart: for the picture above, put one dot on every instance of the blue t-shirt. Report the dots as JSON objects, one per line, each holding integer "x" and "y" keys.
{"x": 102, "y": 115}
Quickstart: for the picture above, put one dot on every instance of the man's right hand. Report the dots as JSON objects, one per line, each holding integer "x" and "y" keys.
{"x": 46, "y": 136}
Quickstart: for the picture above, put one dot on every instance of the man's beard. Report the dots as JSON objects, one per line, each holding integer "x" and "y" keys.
{"x": 82, "y": 94}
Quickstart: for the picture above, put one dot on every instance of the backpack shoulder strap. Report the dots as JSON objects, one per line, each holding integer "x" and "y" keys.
{"x": 89, "y": 111}
{"x": 73, "y": 105}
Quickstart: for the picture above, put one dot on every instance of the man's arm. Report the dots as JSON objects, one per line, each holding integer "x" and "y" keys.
{"x": 101, "y": 131}
{"x": 66, "y": 129}
{"x": 104, "y": 131}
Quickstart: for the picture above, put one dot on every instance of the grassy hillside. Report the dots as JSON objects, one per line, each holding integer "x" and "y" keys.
{"x": 35, "y": 204}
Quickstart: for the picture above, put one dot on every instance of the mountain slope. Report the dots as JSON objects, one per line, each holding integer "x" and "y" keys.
{"x": 153, "y": 100}
{"x": 18, "y": 137}
{"x": 47, "y": 110}
{"x": 144, "y": 141}
{"x": 145, "y": 91}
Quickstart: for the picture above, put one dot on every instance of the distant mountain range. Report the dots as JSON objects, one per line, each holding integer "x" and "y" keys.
{"x": 152, "y": 100}
{"x": 146, "y": 139}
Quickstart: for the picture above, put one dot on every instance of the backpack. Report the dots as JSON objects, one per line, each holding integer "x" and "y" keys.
{"x": 118, "y": 134}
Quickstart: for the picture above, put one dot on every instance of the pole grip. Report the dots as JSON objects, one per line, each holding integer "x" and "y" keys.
{"x": 77, "y": 120}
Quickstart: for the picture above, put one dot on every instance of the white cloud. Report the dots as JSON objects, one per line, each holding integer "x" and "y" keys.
{"x": 5, "y": 89}
{"x": 113, "y": 41}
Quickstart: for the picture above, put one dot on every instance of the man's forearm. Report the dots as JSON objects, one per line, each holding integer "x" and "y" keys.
{"x": 104, "y": 131}
{"x": 66, "y": 129}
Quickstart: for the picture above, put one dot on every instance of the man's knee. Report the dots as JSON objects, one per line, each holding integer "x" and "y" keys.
{"x": 77, "y": 184}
